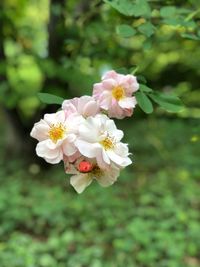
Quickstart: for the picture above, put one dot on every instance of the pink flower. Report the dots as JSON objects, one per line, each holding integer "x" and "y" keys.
{"x": 114, "y": 94}
{"x": 85, "y": 106}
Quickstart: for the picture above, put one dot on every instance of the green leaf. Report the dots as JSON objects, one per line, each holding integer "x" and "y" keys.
{"x": 133, "y": 70}
{"x": 144, "y": 102}
{"x": 173, "y": 21}
{"x": 141, "y": 8}
{"x": 141, "y": 78}
{"x": 145, "y": 88}
{"x": 125, "y": 31}
{"x": 190, "y": 36}
{"x": 128, "y": 8}
{"x": 169, "y": 102}
{"x": 147, "y": 29}
{"x": 168, "y": 11}
{"x": 122, "y": 70}
{"x": 50, "y": 99}
{"x": 125, "y": 7}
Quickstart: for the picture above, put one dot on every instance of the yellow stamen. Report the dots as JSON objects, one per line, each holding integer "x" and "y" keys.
{"x": 108, "y": 143}
{"x": 118, "y": 93}
{"x": 56, "y": 132}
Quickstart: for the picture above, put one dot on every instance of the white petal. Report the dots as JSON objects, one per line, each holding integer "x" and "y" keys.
{"x": 88, "y": 131}
{"x": 110, "y": 125}
{"x": 50, "y": 155}
{"x": 108, "y": 177}
{"x": 55, "y": 160}
{"x": 120, "y": 161}
{"x": 128, "y": 102}
{"x": 40, "y": 130}
{"x": 73, "y": 123}
{"x": 121, "y": 149}
{"x": 80, "y": 182}
{"x": 87, "y": 149}
{"x": 105, "y": 157}
{"x": 55, "y": 118}
{"x": 68, "y": 148}
{"x": 118, "y": 135}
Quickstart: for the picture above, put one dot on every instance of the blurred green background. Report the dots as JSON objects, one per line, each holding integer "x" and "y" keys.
{"x": 151, "y": 216}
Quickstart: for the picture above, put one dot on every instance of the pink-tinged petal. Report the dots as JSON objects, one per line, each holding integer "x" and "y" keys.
{"x": 87, "y": 149}
{"x": 40, "y": 131}
{"x": 80, "y": 182}
{"x": 116, "y": 111}
{"x": 97, "y": 90}
{"x": 127, "y": 102}
{"x": 69, "y": 108}
{"x": 105, "y": 100}
{"x": 110, "y": 75}
{"x": 108, "y": 84}
{"x": 91, "y": 109}
{"x": 128, "y": 112}
{"x": 74, "y": 157}
{"x": 81, "y": 102}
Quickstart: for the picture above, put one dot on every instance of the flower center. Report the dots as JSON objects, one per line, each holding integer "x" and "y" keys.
{"x": 118, "y": 93}
{"x": 56, "y": 132}
{"x": 96, "y": 171}
{"x": 107, "y": 143}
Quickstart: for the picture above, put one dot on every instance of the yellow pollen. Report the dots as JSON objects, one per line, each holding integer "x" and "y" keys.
{"x": 56, "y": 132}
{"x": 108, "y": 143}
{"x": 118, "y": 93}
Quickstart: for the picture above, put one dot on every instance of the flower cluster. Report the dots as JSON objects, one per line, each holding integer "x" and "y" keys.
{"x": 83, "y": 136}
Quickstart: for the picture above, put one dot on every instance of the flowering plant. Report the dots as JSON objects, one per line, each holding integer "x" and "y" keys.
{"x": 83, "y": 134}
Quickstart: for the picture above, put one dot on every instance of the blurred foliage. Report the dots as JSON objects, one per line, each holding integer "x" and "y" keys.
{"x": 65, "y": 48}
{"x": 149, "y": 218}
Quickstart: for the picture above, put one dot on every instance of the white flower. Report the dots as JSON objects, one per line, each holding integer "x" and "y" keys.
{"x": 81, "y": 180}
{"x": 99, "y": 138}
{"x": 56, "y": 135}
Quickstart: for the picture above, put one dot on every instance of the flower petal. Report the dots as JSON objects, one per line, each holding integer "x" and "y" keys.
{"x": 80, "y": 182}
{"x": 128, "y": 102}
{"x": 40, "y": 130}
{"x": 53, "y": 156}
{"x": 108, "y": 177}
{"x": 120, "y": 161}
{"x": 88, "y": 149}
